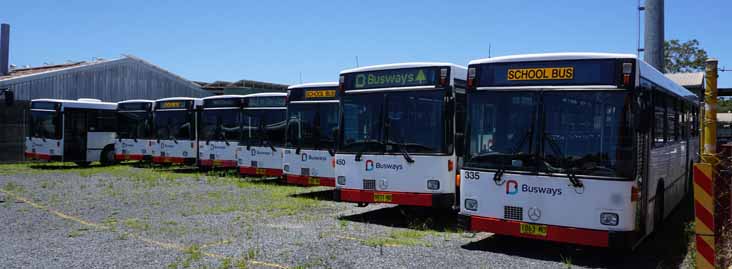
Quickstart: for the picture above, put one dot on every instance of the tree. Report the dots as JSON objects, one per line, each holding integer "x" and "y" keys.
{"x": 680, "y": 57}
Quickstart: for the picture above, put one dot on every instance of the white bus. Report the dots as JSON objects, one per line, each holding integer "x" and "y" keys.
{"x": 398, "y": 130}
{"x": 263, "y": 134}
{"x": 80, "y": 131}
{"x": 134, "y": 130}
{"x": 176, "y": 140}
{"x": 219, "y": 131}
{"x": 312, "y": 124}
{"x": 584, "y": 148}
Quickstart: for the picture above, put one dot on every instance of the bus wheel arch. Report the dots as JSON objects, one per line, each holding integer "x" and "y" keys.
{"x": 107, "y": 155}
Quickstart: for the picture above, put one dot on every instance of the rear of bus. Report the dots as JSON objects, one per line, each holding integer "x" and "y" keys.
{"x": 397, "y": 133}
{"x": 134, "y": 130}
{"x": 219, "y": 131}
{"x": 550, "y": 150}
{"x": 44, "y": 140}
{"x": 175, "y": 131}
{"x": 263, "y": 135}
{"x": 312, "y": 124}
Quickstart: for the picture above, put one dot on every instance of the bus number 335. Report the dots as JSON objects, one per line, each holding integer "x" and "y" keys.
{"x": 474, "y": 175}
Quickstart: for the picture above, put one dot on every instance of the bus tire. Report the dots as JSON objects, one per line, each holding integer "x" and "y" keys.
{"x": 107, "y": 156}
{"x": 658, "y": 208}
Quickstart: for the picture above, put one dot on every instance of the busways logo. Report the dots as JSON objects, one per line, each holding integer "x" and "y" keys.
{"x": 371, "y": 165}
{"x": 512, "y": 188}
{"x": 306, "y": 157}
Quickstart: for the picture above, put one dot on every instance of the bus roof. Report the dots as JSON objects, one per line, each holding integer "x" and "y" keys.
{"x": 85, "y": 103}
{"x": 402, "y": 65}
{"x": 136, "y": 101}
{"x": 177, "y": 98}
{"x": 644, "y": 69}
{"x": 314, "y": 85}
{"x": 266, "y": 94}
{"x": 224, "y": 96}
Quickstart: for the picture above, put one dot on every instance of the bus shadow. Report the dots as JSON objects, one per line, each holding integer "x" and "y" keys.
{"x": 325, "y": 195}
{"x": 665, "y": 249}
{"x": 422, "y": 218}
{"x": 63, "y": 166}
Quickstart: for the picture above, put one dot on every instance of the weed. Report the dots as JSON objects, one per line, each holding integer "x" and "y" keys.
{"x": 225, "y": 263}
{"x": 136, "y": 224}
{"x": 241, "y": 264}
{"x": 252, "y": 253}
{"x": 343, "y": 224}
{"x": 194, "y": 252}
{"x": 567, "y": 261}
{"x": 399, "y": 238}
{"x": 13, "y": 187}
{"x": 75, "y": 233}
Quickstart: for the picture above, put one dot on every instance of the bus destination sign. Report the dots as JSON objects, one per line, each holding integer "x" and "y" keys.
{"x": 314, "y": 94}
{"x": 172, "y": 104}
{"x": 554, "y": 73}
{"x": 392, "y": 78}
{"x": 547, "y": 73}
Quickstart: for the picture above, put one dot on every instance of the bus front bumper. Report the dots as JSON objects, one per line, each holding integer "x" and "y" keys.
{"x": 41, "y": 156}
{"x": 578, "y": 236}
{"x": 129, "y": 157}
{"x": 254, "y": 171}
{"x": 173, "y": 160}
{"x": 217, "y": 163}
{"x": 310, "y": 181}
{"x": 442, "y": 200}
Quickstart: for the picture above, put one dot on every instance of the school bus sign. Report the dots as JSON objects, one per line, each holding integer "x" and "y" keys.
{"x": 547, "y": 73}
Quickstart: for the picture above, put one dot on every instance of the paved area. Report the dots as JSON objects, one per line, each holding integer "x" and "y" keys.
{"x": 61, "y": 216}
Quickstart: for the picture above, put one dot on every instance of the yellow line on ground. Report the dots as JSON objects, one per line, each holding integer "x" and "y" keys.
{"x": 137, "y": 236}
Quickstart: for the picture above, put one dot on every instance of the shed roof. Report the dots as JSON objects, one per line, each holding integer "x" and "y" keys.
{"x": 688, "y": 80}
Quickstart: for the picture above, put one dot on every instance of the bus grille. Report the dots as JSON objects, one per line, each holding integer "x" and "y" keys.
{"x": 305, "y": 171}
{"x": 369, "y": 184}
{"x": 254, "y": 163}
{"x": 513, "y": 212}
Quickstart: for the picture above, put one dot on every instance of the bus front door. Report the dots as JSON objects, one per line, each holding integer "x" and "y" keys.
{"x": 75, "y": 135}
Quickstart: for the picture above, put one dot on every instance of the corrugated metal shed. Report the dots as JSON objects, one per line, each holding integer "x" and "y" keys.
{"x": 114, "y": 80}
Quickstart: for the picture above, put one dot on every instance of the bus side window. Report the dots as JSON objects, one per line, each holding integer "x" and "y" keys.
{"x": 659, "y": 119}
{"x": 672, "y": 128}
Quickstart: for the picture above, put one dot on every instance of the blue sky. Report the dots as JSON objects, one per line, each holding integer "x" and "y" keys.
{"x": 277, "y": 41}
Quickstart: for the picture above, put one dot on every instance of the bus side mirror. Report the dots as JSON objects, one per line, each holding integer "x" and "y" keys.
{"x": 9, "y": 97}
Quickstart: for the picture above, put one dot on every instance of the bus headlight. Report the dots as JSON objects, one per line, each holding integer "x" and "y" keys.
{"x": 341, "y": 180}
{"x": 433, "y": 184}
{"x": 471, "y": 204}
{"x": 286, "y": 168}
{"x": 610, "y": 219}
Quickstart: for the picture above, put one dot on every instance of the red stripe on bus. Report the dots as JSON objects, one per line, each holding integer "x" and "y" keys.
{"x": 252, "y": 171}
{"x": 39, "y": 156}
{"x": 703, "y": 214}
{"x": 400, "y": 198}
{"x": 703, "y": 181}
{"x": 220, "y": 163}
{"x": 159, "y": 159}
{"x": 305, "y": 180}
{"x": 134, "y": 157}
{"x": 704, "y": 249}
{"x": 577, "y": 236}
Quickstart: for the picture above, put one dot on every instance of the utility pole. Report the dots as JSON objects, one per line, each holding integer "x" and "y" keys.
{"x": 653, "y": 36}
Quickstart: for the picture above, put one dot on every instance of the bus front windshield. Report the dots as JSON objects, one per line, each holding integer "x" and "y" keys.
{"x": 134, "y": 125}
{"x": 263, "y": 127}
{"x": 174, "y": 124}
{"x": 220, "y": 125}
{"x": 579, "y": 132}
{"x": 312, "y": 125}
{"x": 391, "y": 122}
{"x": 45, "y": 124}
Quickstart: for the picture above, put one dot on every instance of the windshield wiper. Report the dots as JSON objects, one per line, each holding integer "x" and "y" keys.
{"x": 403, "y": 149}
{"x": 568, "y": 169}
{"x": 527, "y": 136}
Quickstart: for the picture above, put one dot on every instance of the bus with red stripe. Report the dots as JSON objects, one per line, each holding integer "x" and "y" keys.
{"x": 176, "y": 140}
{"x": 591, "y": 149}
{"x": 398, "y": 134}
{"x": 80, "y": 131}
{"x": 134, "y": 130}
{"x": 259, "y": 152}
{"x": 312, "y": 124}
{"x": 219, "y": 131}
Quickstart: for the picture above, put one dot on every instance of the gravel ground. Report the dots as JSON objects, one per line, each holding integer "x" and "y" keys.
{"x": 58, "y": 215}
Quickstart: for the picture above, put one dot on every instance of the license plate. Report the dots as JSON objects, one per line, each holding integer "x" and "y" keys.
{"x": 533, "y": 229}
{"x": 382, "y": 197}
{"x": 313, "y": 181}
{"x": 127, "y": 157}
{"x": 217, "y": 163}
{"x": 166, "y": 160}
{"x": 260, "y": 171}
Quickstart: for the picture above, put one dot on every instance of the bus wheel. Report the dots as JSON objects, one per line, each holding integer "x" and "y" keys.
{"x": 82, "y": 164}
{"x": 658, "y": 208}
{"x": 107, "y": 157}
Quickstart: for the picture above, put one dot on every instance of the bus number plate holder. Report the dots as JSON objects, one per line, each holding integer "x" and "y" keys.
{"x": 261, "y": 171}
{"x": 382, "y": 197}
{"x": 313, "y": 181}
{"x": 533, "y": 229}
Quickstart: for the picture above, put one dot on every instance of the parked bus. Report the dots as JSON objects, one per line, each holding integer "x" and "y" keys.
{"x": 80, "y": 131}
{"x": 584, "y": 148}
{"x": 398, "y": 131}
{"x": 134, "y": 130}
{"x": 312, "y": 124}
{"x": 219, "y": 131}
{"x": 175, "y": 130}
{"x": 263, "y": 134}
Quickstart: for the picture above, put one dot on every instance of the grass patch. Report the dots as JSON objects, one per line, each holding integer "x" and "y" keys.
{"x": 13, "y": 187}
{"x": 399, "y": 238}
{"x": 136, "y": 224}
